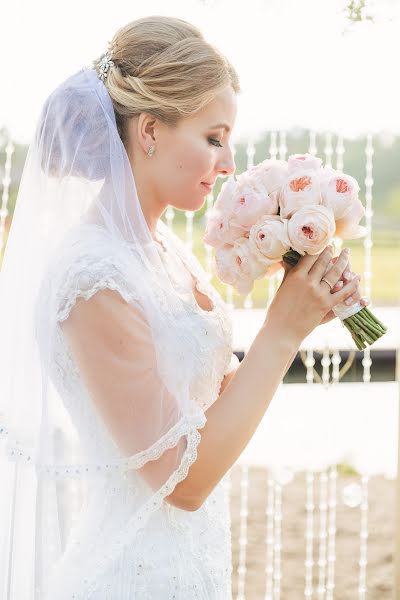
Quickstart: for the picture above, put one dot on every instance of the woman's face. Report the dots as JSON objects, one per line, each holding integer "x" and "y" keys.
{"x": 197, "y": 151}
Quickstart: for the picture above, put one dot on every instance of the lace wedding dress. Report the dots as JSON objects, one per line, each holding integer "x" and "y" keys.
{"x": 178, "y": 554}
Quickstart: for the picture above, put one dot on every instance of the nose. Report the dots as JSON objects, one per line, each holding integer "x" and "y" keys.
{"x": 227, "y": 165}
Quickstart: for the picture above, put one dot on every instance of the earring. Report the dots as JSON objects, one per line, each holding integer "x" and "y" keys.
{"x": 150, "y": 151}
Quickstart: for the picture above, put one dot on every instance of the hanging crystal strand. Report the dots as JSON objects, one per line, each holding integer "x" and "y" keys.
{"x": 332, "y": 504}
{"x": 340, "y": 152}
{"x": 310, "y": 362}
{"x": 326, "y": 363}
{"x": 309, "y": 535}
{"x": 282, "y": 145}
{"x": 323, "y": 505}
{"x": 244, "y": 486}
{"x": 369, "y": 151}
{"x": 277, "y": 574}
{"x": 6, "y": 187}
{"x": 189, "y": 214}
{"x": 336, "y": 360}
{"x": 169, "y": 216}
{"x": 273, "y": 147}
{"x": 328, "y": 150}
{"x": 312, "y": 148}
{"x": 362, "y": 580}
{"x": 269, "y": 539}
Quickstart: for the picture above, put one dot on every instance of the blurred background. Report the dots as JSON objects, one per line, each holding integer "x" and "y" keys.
{"x": 314, "y": 495}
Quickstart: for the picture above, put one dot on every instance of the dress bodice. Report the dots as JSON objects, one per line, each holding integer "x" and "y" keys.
{"x": 178, "y": 554}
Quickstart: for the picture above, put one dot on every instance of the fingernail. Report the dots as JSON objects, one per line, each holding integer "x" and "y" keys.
{"x": 346, "y": 274}
{"x": 349, "y": 301}
{"x": 359, "y": 277}
{"x": 346, "y": 250}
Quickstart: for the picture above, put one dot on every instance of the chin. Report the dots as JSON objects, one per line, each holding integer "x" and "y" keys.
{"x": 195, "y": 204}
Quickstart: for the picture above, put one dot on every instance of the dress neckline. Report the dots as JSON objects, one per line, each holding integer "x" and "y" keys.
{"x": 164, "y": 245}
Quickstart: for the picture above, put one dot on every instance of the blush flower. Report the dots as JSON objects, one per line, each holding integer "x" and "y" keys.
{"x": 269, "y": 239}
{"x": 237, "y": 266}
{"x": 311, "y": 229}
{"x": 249, "y": 203}
{"x": 339, "y": 192}
{"x": 268, "y": 176}
{"x": 302, "y": 188}
{"x": 304, "y": 162}
{"x": 348, "y": 227}
{"x": 220, "y": 230}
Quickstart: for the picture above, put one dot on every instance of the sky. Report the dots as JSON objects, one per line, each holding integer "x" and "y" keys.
{"x": 296, "y": 65}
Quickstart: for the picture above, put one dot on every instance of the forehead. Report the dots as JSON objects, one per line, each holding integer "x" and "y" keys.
{"x": 220, "y": 111}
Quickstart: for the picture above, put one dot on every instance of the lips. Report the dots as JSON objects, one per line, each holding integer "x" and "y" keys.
{"x": 208, "y": 186}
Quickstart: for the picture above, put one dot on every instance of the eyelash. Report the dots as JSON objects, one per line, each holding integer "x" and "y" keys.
{"x": 218, "y": 144}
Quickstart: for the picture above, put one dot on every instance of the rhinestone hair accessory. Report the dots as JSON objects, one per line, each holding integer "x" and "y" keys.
{"x": 105, "y": 65}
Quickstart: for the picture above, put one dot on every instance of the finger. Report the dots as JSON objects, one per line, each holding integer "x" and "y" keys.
{"x": 338, "y": 286}
{"x": 345, "y": 292}
{"x": 347, "y": 274}
{"x": 335, "y": 272}
{"x": 320, "y": 265}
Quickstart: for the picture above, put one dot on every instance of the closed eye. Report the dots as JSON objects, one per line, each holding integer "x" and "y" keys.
{"x": 214, "y": 142}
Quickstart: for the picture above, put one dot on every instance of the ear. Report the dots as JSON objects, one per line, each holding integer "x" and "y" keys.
{"x": 147, "y": 126}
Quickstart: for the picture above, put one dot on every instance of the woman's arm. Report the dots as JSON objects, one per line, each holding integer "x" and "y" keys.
{"x": 234, "y": 417}
{"x": 229, "y": 376}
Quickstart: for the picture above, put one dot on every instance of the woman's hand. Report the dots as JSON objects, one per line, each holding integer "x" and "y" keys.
{"x": 345, "y": 278}
{"x": 303, "y": 300}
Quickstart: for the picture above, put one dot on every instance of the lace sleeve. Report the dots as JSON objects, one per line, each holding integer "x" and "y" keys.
{"x": 111, "y": 343}
{"x": 85, "y": 277}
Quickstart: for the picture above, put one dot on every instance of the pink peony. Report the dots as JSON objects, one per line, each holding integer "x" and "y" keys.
{"x": 269, "y": 239}
{"x": 237, "y": 266}
{"x": 249, "y": 204}
{"x": 268, "y": 175}
{"x": 220, "y": 230}
{"x": 302, "y": 188}
{"x": 339, "y": 191}
{"x": 348, "y": 227}
{"x": 224, "y": 199}
{"x": 303, "y": 162}
{"x": 311, "y": 229}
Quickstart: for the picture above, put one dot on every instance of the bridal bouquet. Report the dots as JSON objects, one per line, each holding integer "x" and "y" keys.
{"x": 278, "y": 211}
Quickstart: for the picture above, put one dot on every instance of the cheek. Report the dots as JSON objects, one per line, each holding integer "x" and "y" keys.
{"x": 194, "y": 162}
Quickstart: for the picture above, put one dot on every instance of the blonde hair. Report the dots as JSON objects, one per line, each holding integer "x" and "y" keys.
{"x": 164, "y": 66}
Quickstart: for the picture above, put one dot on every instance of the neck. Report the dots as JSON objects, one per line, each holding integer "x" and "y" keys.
{"x": 152, "y": 209}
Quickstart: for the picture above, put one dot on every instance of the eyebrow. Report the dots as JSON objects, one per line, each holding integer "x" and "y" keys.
{"x": 221, "y": 126}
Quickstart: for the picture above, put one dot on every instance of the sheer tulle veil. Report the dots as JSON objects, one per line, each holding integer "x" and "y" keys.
{"x": 77, "y": 192}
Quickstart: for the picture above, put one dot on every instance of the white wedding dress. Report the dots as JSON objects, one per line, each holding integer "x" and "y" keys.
{"x": 178, "y": 554}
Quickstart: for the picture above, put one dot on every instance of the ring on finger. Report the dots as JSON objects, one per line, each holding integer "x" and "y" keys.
{"x": 328, "y": 282}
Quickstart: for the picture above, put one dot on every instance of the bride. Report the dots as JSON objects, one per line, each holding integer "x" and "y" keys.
{"x": 123, "y": 406}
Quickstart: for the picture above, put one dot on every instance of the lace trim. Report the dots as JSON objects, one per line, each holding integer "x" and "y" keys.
{"x": 88, "y": 584}
{"x": 15, "y": 451}
{"x": 104, "y": 282}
